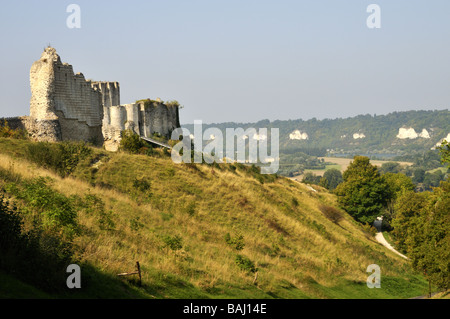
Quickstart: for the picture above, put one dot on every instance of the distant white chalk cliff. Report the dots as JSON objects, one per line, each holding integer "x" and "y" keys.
{"x": 410, "y": 133}
{"x": 298, "y": 135}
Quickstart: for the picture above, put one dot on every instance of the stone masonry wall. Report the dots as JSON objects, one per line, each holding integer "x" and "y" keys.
{"x": 110, "y": 92}
{"x": 157, "y": 117}
{"x": 40, "y": 130}
{"x": 59, "y": 94}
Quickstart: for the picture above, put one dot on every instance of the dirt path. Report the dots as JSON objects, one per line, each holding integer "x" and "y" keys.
{"x": 380, "y": 238}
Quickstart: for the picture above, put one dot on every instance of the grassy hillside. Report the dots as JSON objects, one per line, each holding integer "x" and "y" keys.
{"x": 198, "y": 231}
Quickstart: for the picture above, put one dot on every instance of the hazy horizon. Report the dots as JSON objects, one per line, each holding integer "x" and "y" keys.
{"x": 240, "y": 61}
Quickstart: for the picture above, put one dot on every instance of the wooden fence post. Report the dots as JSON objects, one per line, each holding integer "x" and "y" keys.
{"x": 139, "y": 272}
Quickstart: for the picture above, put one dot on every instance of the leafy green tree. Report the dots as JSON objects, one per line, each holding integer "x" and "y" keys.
{"x": 390, "y": 167}
{"x": 433, "y": 179}
{"x": 334, "y": 178}
{"x": 419, "y": 175}
{"x": 422, "y": 226}
{"x": 444, "y": 149}
{"x": 408, "y": 205}
{"x": 364, "y": 193}
{"x": 324, "y": 183}
{"x": 422, "y": 230}
{"x": 398, "y": 184}
{"x": 311, "y": 178}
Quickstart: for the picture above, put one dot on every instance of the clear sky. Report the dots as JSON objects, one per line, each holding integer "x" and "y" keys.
{"x": 240, "y": 60}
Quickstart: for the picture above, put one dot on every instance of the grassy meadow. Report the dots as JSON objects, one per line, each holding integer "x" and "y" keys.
{"x": 201, "y": 231}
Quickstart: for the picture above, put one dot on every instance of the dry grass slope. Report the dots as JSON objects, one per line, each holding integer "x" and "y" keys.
{"x": 147, "y": 203}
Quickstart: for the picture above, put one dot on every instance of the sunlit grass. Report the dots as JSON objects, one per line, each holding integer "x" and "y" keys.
{"x": 298, "y": 251}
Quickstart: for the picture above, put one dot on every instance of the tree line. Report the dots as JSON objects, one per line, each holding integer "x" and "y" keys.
{"x": 419, "y": 221}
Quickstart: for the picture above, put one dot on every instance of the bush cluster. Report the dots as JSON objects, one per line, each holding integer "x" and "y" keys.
{"x": 331, "y": 213}
{"x": 38, "y": 256}
{"x": 245, "y": 264}
{"x": 132, "y": 143}
{"x": 7, "y": 132}
{"x": 56, "y": 211}
{"x": 174, "y": 243}
{"x": 236, "y": 242}
{"x": 62, "y": 158}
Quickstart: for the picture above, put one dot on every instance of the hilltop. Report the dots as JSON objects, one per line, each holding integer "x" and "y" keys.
{"x": 198, "y": 231}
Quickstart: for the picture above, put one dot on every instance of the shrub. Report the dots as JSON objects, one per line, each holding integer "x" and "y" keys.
{"x": 94, "y": 205}
{"x": 174, "y": 243}
{"x": 62, "y": 158}
{"x": 131, "y": 142}
{"x": 331, "y": 213}
{"x": 7, "y": 132}
{"x": 142, "y": 185}
{"x": 237, "y": 242}
{"x": 369, "y": 230}
{"x": 190, "y": 209}
{"x": 105, "y": 221}
{"x": 10, "y": 225}
{"x": 141, "y": 190}
{"x": 91, "y": 204}
{"x": 45, "y": 250}
{"x": 135, "y": 224}
{"x": 245, "y": 264}
{"x": 56, "y": 211}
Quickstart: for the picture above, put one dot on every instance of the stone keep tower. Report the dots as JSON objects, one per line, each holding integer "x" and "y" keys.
{"x": 57, "y": 94}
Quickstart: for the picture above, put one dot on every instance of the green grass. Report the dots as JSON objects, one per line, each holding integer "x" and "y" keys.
{"x": 335, "y": 166}
{"x": 297, "y": 251}
{"x": 442, "y": 169}
{"x": 402, "y": 288}
{"x": 12, "y": 288}
{"x": 388, "y": 238}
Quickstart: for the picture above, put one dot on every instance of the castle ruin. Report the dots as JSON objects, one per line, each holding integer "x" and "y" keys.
{"x": 66, "y": 106}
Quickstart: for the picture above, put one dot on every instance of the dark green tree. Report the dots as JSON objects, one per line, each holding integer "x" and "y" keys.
{"x": 334, "y": 178}
{"x": 419, "y": 175}
{"x": 398, "y": 184}
{"x": 422, "y": 229}
{"x": 390, "y": 167}
{"x": 364, "y": 193}
{"x": 444, "y": 149}
{"x": 324, "y": 183}
{"x": 311, "y": 178}
{"x": 433, "y": 179}
{"x": 408, "y": 205}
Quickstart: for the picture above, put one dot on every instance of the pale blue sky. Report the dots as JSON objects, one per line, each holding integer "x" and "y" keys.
{"x": 243, "y": 60}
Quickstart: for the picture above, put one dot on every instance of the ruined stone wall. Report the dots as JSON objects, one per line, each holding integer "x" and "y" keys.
{"x": 110, "y": 92}
{"x": 157, "y": 117}
{"x": 132, "y": 115}
{"x": 39, "y": 130}
{"x": 110, "y": 96}
{"x": 59, "y": 94}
